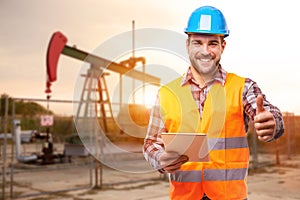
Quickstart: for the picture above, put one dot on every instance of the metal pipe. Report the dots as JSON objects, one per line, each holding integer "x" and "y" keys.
{"x": 144, "y": 89}
{"x": 45, "y": 100}
{"x": 4, "y": 148}
{"x": 288, "y": 135}
{"x": 12, "y": 154}
{"x": 17, "y": 137}
{"x": 133, "y": 39}
{"x": 120, "y": 92}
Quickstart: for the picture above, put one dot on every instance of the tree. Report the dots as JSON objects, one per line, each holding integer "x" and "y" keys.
{"x": 22, "y": 108}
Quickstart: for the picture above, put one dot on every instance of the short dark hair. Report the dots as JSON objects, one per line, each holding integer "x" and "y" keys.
{"x": 221, "y": 36}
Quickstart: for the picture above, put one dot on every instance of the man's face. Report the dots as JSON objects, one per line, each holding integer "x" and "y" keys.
{"x": 205, "y": 52}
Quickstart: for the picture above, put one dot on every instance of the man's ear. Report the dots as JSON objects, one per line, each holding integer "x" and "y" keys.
{"x": 223, "y": 45}
{"x": 187, "y": 43}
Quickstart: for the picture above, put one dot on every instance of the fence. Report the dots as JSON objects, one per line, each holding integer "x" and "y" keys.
{"x": 49, "y": 170}
{"x": 23, "y": 164}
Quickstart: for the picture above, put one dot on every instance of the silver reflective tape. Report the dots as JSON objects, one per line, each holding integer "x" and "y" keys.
{"x": 205, "y": 22}
{"x": 225, "y": 174}
{"x": 227, "y": 143}
{"x": 186, "y": 176}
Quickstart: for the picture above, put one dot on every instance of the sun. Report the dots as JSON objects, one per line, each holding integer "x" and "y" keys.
{"x": 145, "y": 95}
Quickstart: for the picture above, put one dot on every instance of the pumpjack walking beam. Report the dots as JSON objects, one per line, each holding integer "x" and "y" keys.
{"x": 58, "y": 46}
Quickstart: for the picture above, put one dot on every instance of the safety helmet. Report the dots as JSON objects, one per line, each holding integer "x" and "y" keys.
{"x": 207, "y": 19}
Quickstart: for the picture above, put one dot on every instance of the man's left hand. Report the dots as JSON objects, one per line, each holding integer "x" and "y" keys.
{"x": 264, "y": 122}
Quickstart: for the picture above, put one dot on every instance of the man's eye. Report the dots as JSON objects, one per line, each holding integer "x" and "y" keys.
{"x": 195, "y": 43}
{"x": 213, "y": 44}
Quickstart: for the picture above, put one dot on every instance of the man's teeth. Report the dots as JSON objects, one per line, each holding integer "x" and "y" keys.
{"x": 205, "y": 60}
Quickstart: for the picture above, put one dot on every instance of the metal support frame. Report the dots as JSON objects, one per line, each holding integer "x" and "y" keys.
{"x": 87, "y": 103}
{"x": 95, "y": 82}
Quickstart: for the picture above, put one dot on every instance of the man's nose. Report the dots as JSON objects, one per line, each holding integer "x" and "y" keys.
{"x": 204, "y": 49}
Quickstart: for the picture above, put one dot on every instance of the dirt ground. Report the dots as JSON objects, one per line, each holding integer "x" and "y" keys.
{"x": 76, "y": 180}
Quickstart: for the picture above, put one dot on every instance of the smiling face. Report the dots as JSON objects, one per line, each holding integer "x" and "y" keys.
{"x": 205, "y": 53}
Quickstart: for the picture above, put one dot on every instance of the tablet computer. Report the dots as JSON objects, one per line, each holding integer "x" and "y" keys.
{"x": 193, "y": 145}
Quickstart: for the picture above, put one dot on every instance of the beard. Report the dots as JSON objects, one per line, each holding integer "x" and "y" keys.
{"x": 203, "y": 67}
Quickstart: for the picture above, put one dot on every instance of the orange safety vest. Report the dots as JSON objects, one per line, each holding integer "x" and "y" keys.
{"x": 225, "y": 175}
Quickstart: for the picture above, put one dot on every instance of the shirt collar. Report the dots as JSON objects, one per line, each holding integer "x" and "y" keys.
{"x": 189, "y": 79}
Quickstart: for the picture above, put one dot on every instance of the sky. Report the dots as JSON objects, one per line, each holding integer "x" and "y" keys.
{"x": 263, "y": 43}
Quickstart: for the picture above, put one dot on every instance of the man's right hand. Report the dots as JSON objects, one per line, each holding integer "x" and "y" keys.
{"x": 172, "y": 161}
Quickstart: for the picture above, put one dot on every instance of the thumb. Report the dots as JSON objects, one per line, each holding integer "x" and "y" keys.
{"x": 259, "y": 104}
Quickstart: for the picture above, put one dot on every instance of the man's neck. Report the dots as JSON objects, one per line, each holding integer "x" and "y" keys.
{"x": 202, "y": 79}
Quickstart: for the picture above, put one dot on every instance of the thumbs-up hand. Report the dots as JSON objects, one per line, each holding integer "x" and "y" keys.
{"x": 264, "y": 122}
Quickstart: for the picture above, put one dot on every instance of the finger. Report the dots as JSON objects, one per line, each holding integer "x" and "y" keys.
{"x": 261, "y": 124}
{"x": 265, "y": 132}
{"x": 173, "y": 168}
{"x": 174, "y": 161}
{"x": 169, "y": 156}
{"x": 182, "y": 159}
{"x": 177, "y": 164}
{"x": 259, "y": 104}
{"x": 264, "y": 138}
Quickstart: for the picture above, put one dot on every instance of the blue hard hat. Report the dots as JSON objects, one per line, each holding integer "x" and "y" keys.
{"x": 209, "y": 20}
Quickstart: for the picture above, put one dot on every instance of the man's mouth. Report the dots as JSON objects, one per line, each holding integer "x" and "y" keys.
{"x": 205, "y": 59}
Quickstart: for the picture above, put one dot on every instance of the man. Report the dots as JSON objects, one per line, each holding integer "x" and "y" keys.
{"x": 209, "y": 100}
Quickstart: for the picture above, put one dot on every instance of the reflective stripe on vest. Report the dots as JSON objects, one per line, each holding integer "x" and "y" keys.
{"x": 227, "y": 143}
{"x": 225, "y": 174}
{"x": 186, "y": 176}
{"x": 209, "y": 175}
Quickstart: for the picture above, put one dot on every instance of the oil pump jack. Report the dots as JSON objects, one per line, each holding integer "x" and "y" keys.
{"x": 96, "y": 72}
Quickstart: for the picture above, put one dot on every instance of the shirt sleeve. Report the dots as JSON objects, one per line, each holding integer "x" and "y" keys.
{"x": 153, "y": 145}
{"x": 251, "y": 91}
